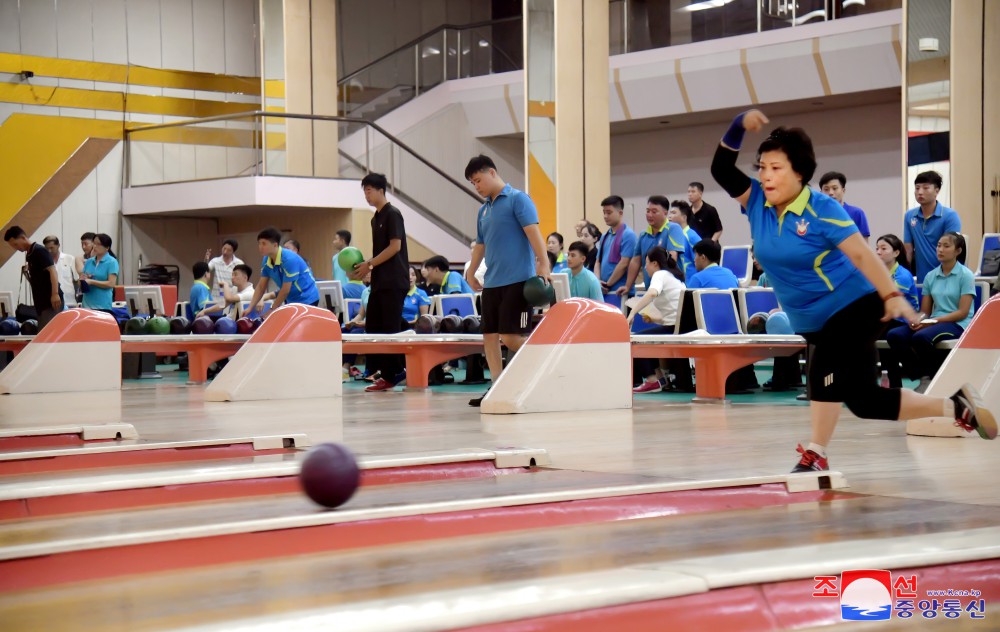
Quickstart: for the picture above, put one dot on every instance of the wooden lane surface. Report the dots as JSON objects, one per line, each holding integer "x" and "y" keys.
{"x": 539, "y": 504}
{"x": 140, "y": 451}
{"x": 286, "y": 584}
{"x": 113, "y": 488}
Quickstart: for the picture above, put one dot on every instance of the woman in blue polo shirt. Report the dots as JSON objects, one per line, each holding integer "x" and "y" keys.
{"x": 416, "y": 303}
{"x": 100, "y": 275}
{"x": 889, "y": 249}
{"x": 832, "y": 286}
{"x": 949, "y": 292}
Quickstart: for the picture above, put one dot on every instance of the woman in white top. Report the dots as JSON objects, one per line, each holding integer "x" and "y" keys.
{"x": 662, "y": 297}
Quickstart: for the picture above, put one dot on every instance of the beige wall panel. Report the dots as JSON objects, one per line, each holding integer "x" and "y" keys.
{"x": 772, "y": 66}
{"x": 967, "y": 184}
{"x": 180, "y": 242}
{"x": 324, "y": 85}
{"x": 859, "y": 61}
{"x": 596, "y": 123}
{"x": 715, "y": 81}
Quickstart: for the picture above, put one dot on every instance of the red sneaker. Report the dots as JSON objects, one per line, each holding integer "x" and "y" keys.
{"x": 647, "y": 387}
{"x": 380, "y": 385}
{"x": 971, "y": 415}
{"x": 810, "y": 462}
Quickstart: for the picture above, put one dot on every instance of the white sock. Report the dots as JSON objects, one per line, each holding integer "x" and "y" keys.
{"x": 818, "y": 449}
{"x": 949, "y": 408}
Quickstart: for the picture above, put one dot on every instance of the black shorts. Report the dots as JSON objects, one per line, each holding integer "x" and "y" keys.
{"x": 505, "y": 311}
{"x": 842, "y": 355}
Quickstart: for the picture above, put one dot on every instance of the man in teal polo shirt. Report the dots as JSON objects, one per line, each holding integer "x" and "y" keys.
{"x": 924, "y": 224}
{"x": 660, "y": 232}
{"x": 582, "y": 282}
{"x": 288, "y": 270}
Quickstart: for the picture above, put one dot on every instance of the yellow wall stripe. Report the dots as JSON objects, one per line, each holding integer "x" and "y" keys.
{"x": 132, "y": 75}
{"x": 820, "y": 68}
{"x": 274, "y": 88}
{"x": 35, "y": 146}
{"x": 542, "y": 108}
{"x": 746, "y": 76}
{"x": 117, "y": 101}
{"x": 621, "y": 95}
{"x": 543, "y": 194}
{"x": 681, "y": 86}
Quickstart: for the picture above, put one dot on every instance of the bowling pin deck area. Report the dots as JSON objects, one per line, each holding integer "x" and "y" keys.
{"x": 164, "y": 511}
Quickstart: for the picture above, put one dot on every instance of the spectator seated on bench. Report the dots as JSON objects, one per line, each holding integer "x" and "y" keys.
{"x": 658, "y": 308}
{"x": 891, "y": 252}
{"x": 948, "y": 294}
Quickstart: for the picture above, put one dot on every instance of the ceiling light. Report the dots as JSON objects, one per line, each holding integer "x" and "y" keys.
{"x": 429, "y": 51}
{"x": 483, "y": 43}
{"x": 928, "y": 44}
{"x": 849, "y": 3}
{"x": 705, "y": 4}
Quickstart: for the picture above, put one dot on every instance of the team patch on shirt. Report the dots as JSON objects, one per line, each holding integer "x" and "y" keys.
{"x": 913, "y": 221}
{"x": 801, "y": 227}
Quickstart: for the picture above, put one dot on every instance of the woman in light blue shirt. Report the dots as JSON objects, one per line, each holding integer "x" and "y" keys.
{"x": 100, "y": 275}
{"x": 949, "y": 292}
{"x": 889, "y": 249}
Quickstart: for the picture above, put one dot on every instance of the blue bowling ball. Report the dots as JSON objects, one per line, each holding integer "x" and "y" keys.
{"x": 9, "y": 327}
{"x": 225, "y": 325}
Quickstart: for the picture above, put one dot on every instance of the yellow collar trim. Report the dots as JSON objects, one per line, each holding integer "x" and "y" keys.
{"x": 798, "y": 205}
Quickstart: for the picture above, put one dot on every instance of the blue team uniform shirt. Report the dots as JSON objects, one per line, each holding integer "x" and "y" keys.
{"x": 670, "y": 237}
{"x": 924, "y": 234}
{"x": 561, "y": 265}
{"x": 352, "y": 289}
{"x": 412, "y": 302}
{"x": 627, "y": 248}
{"x": 454, "y": 283}
{"x": 686, "y": 258}
{"x": 585, "y": 285}
{"x": 948, "y": 289}
{"x": 290, "y": 267}
{"x": 200, "y": 298}
{"x": 906, "y": 284}
{"x": 713, "y": 277}
{"x": 339, "y": 274}
{"x": 859, "y": 218}
{"x": 500, "y": 226}
{"x": 99, "y": 297}
{"x": 799, "y": 252}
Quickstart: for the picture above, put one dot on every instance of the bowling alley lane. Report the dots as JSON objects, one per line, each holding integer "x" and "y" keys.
{"x": 870, "y": 527}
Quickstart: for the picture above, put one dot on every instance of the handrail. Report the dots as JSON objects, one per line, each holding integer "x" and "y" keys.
{"x": 432, "y": 32}
{"x": 442, "y": 224}
{"x": 312, "y": 117}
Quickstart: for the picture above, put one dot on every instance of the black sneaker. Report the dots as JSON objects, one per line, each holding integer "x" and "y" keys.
{"x": 810, "y": 462}
{"x": 971, "y": 414}
{"x": 476, "y": 401}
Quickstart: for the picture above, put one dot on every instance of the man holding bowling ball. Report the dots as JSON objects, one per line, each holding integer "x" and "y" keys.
{"x": 390, "y": 272}
{"x": 507, "y": 235}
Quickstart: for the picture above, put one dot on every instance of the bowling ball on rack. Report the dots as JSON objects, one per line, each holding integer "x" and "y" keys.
{"x": 536, "y": 292}
{"x": 225, "y": 325}
{"x": 158, "y": 326}
{"x": 203, "y": 325}
{"x": 135, "y": 326}
{"x": 427, "y": 324}
{"x": 349, "y": 257}
{"x": 451, "y": 324}
{"x": 10, "y": 327}
{"x": 330, "y": 474}
{"x": 180, "y": 326}
{"x": 472, "y": 325}
{"x": 29, "y": 327}
{"x": 245, "y": 326}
